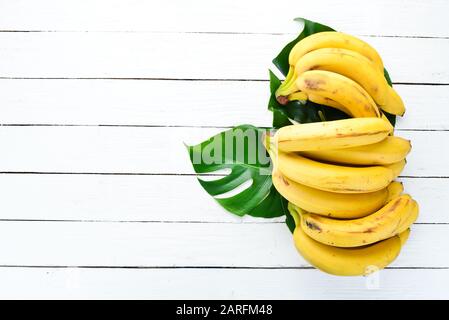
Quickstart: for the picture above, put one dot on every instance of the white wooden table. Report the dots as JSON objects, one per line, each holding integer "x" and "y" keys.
{"x": 98, "y": 198}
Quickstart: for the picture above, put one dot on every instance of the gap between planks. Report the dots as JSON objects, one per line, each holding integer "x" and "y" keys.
{"x": 163, "y": 174}
{"x": 160, "y": 126}
{"x": 212, "y": 32}
{"x": 173, "y": 222}
{"x": 191, "y": 79}
{"x": 197, "y": 267}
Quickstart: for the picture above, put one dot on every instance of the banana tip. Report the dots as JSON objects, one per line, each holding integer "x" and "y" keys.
{"x": 282, "y": 100}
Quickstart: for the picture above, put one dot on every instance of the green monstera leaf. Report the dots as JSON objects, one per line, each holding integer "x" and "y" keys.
{"x": 241, "y": 151}
{"x": 303, "y": 112}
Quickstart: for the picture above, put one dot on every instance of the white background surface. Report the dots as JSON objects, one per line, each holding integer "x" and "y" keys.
{"x": 98, "y": 199}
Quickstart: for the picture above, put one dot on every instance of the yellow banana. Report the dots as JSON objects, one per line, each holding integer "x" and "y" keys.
{"x": 396, "y": 167}
{"x": 324, "y": 101}
{"x": 347, "y": 261}
{"x": 333, "y": 39}
{"x": 384, "y": 223}
{"x": 394, "y": 189}
{"x": 297, "y": 96}
{"x": 332, "y": 134}
{"x": 341, "y": 89}
{"x": 411, "y": 218}
{"x": 394, "y": 103}
{"x": 391, "y": 149}
{"x": 336, "y": 205}
{"x": 328, "y": 39}
{"x": 334, "y": 178}
{"x": 350, "y": 64}
{"x": 317, "y": 99}
{"x": 404, "y": 235}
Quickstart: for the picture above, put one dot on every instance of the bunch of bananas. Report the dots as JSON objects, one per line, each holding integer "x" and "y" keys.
{"x": 338, "y": 176}
{"x": 340, "y": 71}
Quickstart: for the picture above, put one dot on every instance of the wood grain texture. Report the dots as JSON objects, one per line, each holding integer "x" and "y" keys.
{"x": 190, "y": 56}
{"x": 154, "y": 198}
{"x": 155, "y": 150}
{"x": 80, "y": 283}
{"x": 382, "y": 17}
{"x": 182, "y": 245}
{"x": 176, "y": 103}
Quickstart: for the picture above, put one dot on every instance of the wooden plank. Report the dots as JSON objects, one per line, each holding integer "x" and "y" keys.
{"x": 79, "y": 283}
{"x": 209, "y": 103}
{"x": 111, "y": 198}
{"x": 182, "y": 244}
{"x": 153, "y": 150}
{"x": 190, "y": 56}
{"x": 426, "y": 107}
{"x": 135, "y": 102}
{"x": 380, "y": 17}
{"x": 154, "y": 198}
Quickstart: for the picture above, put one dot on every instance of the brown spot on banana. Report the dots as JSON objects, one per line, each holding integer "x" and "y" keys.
{"x": 369, "y": 230}
{"x": 341, "y": 135}
{"x": 313, "y": 84}
{"x": 396, "y": 204}
{"x": 284, "y": 180}
{"x": 338, "y": 190}
{"x": 368, "y": 107}
{"x": 314, "y": 67}
{"x": 313, "y": 226}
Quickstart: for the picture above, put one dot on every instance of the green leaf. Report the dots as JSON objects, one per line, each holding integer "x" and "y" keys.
{"x": 387, "y": 77}
{"x": 390, "y": 117}
{"x": 289, "y": 221}
{"x": 241, "y": 150}
{"x": 303, "y": 112}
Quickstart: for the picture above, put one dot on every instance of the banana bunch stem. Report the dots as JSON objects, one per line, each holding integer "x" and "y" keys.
{"x": 287, "y": 87}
